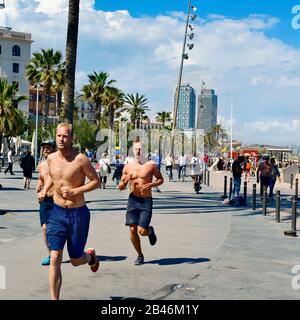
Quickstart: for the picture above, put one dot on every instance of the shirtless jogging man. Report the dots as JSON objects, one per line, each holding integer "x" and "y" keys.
{"x": 139, "y": 174}
{"x": 47, "y": 204}
{"x": 69, "y": 219}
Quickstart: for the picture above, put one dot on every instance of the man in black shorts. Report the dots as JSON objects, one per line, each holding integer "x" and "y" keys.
{"x": 140, "y": 174}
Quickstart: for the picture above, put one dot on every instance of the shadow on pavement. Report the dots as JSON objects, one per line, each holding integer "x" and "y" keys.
{"x": 105, "y": 258}
{"x": 110, "y": 258}
{"x": 172, "y": 261}
{"x": 125, "y": 298}
{"x": 13, "y": 189}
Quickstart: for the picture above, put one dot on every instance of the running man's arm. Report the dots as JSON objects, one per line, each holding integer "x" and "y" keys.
{"x": 90, "y": 173}
{"x": 157, "y": 175}
{"x": 40, "y": 182}
{"x": 124, "y": 179}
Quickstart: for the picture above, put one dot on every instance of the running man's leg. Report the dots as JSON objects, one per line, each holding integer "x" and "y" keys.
{"x": 55, "y": 277}
{"x": 135, "y": 239}
{"x": 44, "y": 232}
{"x": 78, "y": 230}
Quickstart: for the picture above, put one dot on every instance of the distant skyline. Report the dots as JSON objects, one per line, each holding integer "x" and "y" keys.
{"x": 247, "y": 46}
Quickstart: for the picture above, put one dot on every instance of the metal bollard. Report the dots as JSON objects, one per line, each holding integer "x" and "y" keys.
{"x": 205, "y": 176}
{"x": 278, "y": 206}
{"x": 230, "y": 188}
{"x": 208, "y": 178}
{"x": 254, "y": 197}
{"x": 296, "y": 188}
{"x": 264, "y": 204}
{"x": 225, "y": 188}
{"x": 292, "y": 180}
{"x": 293, "y": 231}
{"x": 294, "y": 214}
{"x": 245, "y": 193}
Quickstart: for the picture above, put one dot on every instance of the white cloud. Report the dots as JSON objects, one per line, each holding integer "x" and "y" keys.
{"x": 143, "y": 55}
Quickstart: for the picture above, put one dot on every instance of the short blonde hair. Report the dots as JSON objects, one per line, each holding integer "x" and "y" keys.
{"x": 66, "y": 125}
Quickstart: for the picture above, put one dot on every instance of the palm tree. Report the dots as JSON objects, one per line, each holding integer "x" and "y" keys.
{"x": 71, "y": 55}
{"x": 43, "y": 68}
{"x": 210, "y": 141}
{"x": 113, "y": 100}
{"x": 59, "y": 84}
{"x": 163, "y": 117}
{"x": 136, "y": 105}
{"x": 96, "y": 90}
{"x": 219, "y": 134}
{"x": 12, "y": 121}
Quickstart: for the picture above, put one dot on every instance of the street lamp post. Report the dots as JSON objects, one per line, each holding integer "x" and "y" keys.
{"x": 231, "y": 123}
{"x": 36, "y": 122}
{"x": 183, "y": 56}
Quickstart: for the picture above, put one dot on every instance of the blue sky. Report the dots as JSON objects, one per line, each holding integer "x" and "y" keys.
{"x": 232, "y": 9}
{"x": 247, "y": 46}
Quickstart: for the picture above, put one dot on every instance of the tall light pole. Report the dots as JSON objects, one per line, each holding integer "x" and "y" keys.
{"x": 231, "y": 122}
{"x": 183, "y": 56}
{"x": 36, "y": 122}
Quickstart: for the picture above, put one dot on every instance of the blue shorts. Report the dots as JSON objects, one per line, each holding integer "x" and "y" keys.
{"x": 45, "y": 208}
{"x": 71, "y": 225}
{"x": 139, "y": 211}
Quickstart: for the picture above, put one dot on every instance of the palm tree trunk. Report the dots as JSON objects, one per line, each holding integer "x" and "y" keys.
{"x": 71, "y": 54}
{"x": 46, "y": 109}
{"x": 111, "y": 118}
{"x": 98, "y": 110}
{"x": 59, "y": 105}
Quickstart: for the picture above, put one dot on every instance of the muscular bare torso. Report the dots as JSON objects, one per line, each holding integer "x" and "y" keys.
{"x": 139, "y": 175}
{"x": 67, "y": 173}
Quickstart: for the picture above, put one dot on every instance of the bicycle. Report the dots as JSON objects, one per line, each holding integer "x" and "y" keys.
{"x": 197, "y": 183}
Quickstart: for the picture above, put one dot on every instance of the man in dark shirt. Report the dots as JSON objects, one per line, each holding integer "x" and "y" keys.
{"x": 237, "y": 176}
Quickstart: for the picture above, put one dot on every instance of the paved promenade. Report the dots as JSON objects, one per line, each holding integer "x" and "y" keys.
{"x": 205, "y": 249}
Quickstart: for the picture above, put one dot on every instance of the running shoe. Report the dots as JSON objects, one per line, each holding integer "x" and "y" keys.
{"x": 139, "y": 260}
{"x": 152, "y": 236}
{"x": 46, "y": 261}
{"x": 94, "y": 264}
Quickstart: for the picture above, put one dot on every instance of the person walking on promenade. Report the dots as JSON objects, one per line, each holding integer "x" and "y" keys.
{"x": 237, "y": 176}
{"x": 104, "y": 170}
{"x": 10, "y": 160}
{"x": 27, "y": 164}
{"x": 69, "y": 219}
{"x": 119, "y": 165}
{"x": 247, "y": 168}
{"x": 48, "y": 147}
{"x": 273, "y": 177}
{"x": 182, "y": 166}
{"x": 263, "y": 174}
{"x": 139, "y": 174}
{"x": 169, "y": 166}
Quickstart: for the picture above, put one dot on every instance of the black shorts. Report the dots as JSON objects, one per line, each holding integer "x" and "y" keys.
{"x": 139, "y": 211}
{"x": 45, "y": 208}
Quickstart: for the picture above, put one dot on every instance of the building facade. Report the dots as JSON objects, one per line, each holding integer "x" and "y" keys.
{"x": 207, "y": 110}
{"x": 15, "y": 51}
{"x": 85, "y": 110}
{"x": 186, "y": 112}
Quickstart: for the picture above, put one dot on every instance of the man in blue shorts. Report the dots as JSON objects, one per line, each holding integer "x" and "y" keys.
{"x": 139, "y": 173}
{"x": 70, "y": 217}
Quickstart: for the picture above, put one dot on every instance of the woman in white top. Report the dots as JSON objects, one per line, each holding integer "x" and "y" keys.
{"x": 104, "y": 170}
{"x": 169, "y": 166}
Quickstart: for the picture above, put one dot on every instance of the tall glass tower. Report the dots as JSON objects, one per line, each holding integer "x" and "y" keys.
{"x": 207, "y": 110}
{"x": 186, "y": 114}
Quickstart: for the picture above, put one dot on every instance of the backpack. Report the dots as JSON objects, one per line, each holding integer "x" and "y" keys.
{"x": 248, "y": 166}
{"x": 108, "y": 167}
